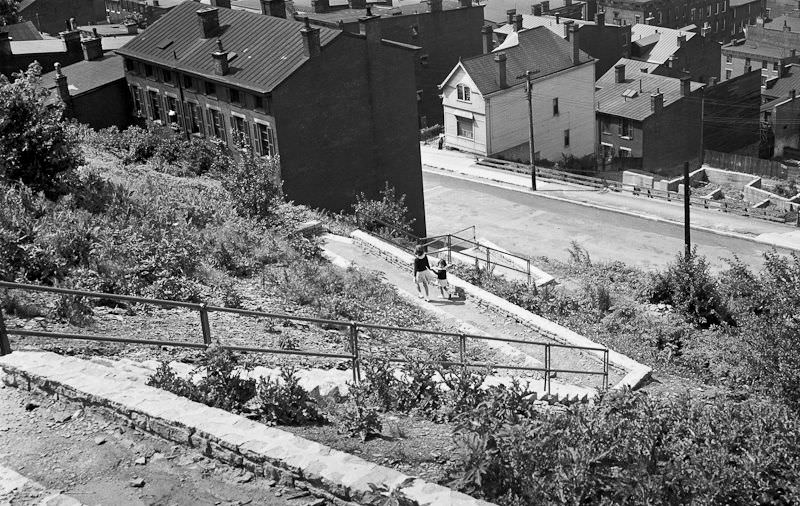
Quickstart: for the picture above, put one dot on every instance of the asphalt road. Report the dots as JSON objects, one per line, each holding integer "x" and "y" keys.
{"x": 538, "y": 226}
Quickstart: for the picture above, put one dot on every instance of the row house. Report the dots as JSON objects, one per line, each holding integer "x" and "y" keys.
{"x": 485, "y": 107}
{"x": 445, "y": 31}
{"x": 765, "y": 49}
{"x": 647, "y": 121}
{"x": 720, "y": 20}
{"x": 676, "y": 53}
{"x": 338, "y": 108}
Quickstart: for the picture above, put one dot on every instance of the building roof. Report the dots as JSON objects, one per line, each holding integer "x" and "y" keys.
{"x": 756, "y": 49}
{"x": 351, "y": 15}
{"x": 657, "y": 43}
{"x": 781, "y": 21}
{"x": 495, "y": 10}
{"x": 637, "y": 88}
{"x": 782, "y": 86}
{"x": 263, "y": 50}
{"x": 549, "y": 22}
{"x": 57, "y": 45}
{"x": 85, "y": 76}
{"x": 106, "y": 30}
{"x": 538, "y": 49}
{"x": 22, "y": 31}
{"x": 739, "y": 3}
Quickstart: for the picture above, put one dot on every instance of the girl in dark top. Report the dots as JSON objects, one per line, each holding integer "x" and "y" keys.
{"x": 422, "y": 272}
{"x": 441, "y": 275}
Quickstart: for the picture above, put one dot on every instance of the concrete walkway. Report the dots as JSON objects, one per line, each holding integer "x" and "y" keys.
{"x": 468, "y": 312}
{"x": 462, "y": 165}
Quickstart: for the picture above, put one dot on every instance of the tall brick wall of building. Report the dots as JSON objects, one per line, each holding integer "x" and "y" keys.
{"x": 115, "y": 111}
{"x": 50, "y": 15}
{"x": 607, "y": 43}
{"x": 672, "y": 137}
{"x": 730, "y": 119}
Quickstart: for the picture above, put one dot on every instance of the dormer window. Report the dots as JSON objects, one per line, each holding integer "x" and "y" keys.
{"x": 463, "y": 92}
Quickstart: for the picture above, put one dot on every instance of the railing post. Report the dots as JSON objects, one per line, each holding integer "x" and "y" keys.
{"x": 547, "y": 369}
{"x": 462, "y": 349}
{"x": 205, "y": 325}
{"x": 528, "y": 261}
{"x": 5, "y": 346}
{"x": 487, "y": 259}
{"x": 354, "y": 352}
{"x": 605, "y": 369}
{"x": 449, "y": 249}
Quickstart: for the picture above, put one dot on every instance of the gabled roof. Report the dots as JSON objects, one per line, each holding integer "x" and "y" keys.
{"x": 263, "y": 50}
{"x": 57, "y": 45}
{"x": 22, "y": 31}
{"x": 782, "y": 86}
{"x": 538, "y": 49}
{"x": 85, "y": 76}
{"x": 631, "y": 99}
{"x": 656, "y": 42}
{"x": 549, "y": 22}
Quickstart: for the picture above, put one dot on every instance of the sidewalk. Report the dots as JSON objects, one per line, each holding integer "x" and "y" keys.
{"x": 462, "y": 165}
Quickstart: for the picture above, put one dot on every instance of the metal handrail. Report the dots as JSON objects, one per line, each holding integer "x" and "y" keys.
{"x": 354, "y": 354}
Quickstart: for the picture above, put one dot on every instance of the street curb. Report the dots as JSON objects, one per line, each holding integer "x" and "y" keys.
{"x": 521, "y": 189}
{"x": 339, "y": 477}
{"x": 637, "y": 373}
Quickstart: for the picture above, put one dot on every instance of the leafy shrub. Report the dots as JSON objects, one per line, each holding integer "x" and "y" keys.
{"x": 419, "y": 389}
{"x": 231, "y": 297}
{"x": 166, "y": 379}
{"x": 380, "y": 383}
{"x": 389, "y": 207}
{"x": 254, "y": 185}
{"x": 464, "y": 390}
{"x": 19, "y": 305}
{"x": 357, "y": 419}
{"x": 74, "y": 309}
{"x": 285, "y": 402}
{"x": 578, "y": 254}
{"x": 223, "y": 385}
{"x": 39, "y": 148}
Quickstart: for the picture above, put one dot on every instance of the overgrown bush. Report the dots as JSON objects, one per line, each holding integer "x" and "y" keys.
{"x": 254, "y": 185}
{"x": 75, "y": 310}
{"x": 283, "y": 401}
{"x": 357, "y": 418}
{"x": 630, "y": 448}
{"x": 389, "y": 207}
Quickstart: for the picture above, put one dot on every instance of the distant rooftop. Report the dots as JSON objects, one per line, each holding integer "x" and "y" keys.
{"x": 351, "y": 15}
{"x": 631, "y": 99}
{"x": 57, "y": 45}
{"x": 549, "y": 22}
{"x": 782, "y": 86}
{"x": 22, "y": 31}
{"x": 85, "y": 76}
{"x": 495, "y": 10}
{"x": 756, "y": 49}
{"x": 656, "y": 43}
{"x": 781, "y": 21}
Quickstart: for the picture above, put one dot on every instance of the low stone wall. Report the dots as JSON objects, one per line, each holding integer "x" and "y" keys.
{"x": 341, "y": 478}
{"x": 636, "y": 373}
{"x": 719, "y": 176}
{"x": 637, "y": 179}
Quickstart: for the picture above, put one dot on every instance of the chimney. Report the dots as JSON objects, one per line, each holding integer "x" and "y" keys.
{"x": 793, "y": 53}
{"x": 686, "y": 86}
{"x": 311, "y": 44}
{"x": 220, "y": 60}
{"x": 92, "y": 47}
{"x": 208, "y": 22}
{"x": 274, "y": 8}
{"x": 576, "y": 48}
{"x": 510, "y": 15}
{"x": 370, "y": 26}
{"x": 793, "y": 94}
{"x": 221, "y": 3}
{"x": 72, "y": 41}
{"x": 671, "y": 61}
{"x": 317, "y": 6}
{"x": 487, "y": 34}
{"x": 600, "y": 18}
{"x": 536, "y": 9}
{"x": 502, "y": 80}
{"x": 62, "y": 87}
{"x": 567, "y": 25}
{"x": 356, "y": 4}
{"x": 657, "y": 101}
{"x": 465, "y": 3}
{"x": 567, "y": 3}
{"x": 435, "y": 5}
{"x": 619, "y": 73}
{"x": 132, "y": 27}
{"x": 558, "y": 17}
{"x": 518, "y": 23}
{"x": 5, "y": 44}
{"x": 545, "y": 6}
{"x": 681, "y": 39}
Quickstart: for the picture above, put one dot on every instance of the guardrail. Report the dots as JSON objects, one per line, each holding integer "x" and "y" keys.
{"x": 353, "y": 354}
{"x": 594, "y": 182}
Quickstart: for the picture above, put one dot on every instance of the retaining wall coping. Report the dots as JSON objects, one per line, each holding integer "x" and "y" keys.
{"x": 221, "y": 434}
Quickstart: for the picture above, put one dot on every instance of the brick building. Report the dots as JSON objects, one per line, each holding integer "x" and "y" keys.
{"x": 445, "y": 32}
{"x": 720, "y": 20}
{"x": 651, "y": 119}
{"x": 49, "y": 15}
{"x": 497, "y": 12}
{"x": 337, "y": 107}
{"x": 765, "y": 49}
{"x": 606, "y": 43}
{"x": 676, "y": 53}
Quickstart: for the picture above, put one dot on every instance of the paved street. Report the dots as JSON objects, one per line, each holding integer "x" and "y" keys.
{"x": 534, "y": 225}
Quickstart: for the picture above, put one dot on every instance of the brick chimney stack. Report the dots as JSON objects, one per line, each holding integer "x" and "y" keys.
{"x": 686, "y": 86}
{"x": 5, "y": 44}
{"x": 435, "y": 5}
{"x": 465, "y": 3}
{"x": 487, "y": 35}
{"x": 311, "y": 42}
{"x": 568, "y": 28}
{"x": 619, "y": 73}
{"x": 576, "y": 47}
{"x": 600, "y": 18}
{"x": 536, "y": 9}
{"x": 92, "y": 47}
{"x": 71, "y": 38}
{"x": 132, "y": 27}
{"x": 274, "y": 8}
{"x": 681, "y": 39}
{"x": 62, "y": 87}
{"x": 370, "y": 25}
{"x": 518, "y": 23}
{"x": 545, "y": 6}
{"x": 502, "y": 79}
{"x": 226, "y": 4}
{"x": 657, "y": 101}
{"x": 207, "y": 22}
{"x": 220, "y": 60}
{"x": 510, "y": 15}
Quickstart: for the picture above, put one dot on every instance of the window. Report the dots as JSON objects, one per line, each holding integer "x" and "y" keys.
{"x": 776, "y": 66}
{"x": 155, "y": 105}
{"x": 625, "y": 128}
{"x": 624, "y": 152}
{"x": 727, "y": 74}
{"x": 694, "y": 14}
{"x": 566, "y": 138}
{"x": 194, "y": 118}
{"x": 129, "y": 65}
{"x": 728, "y": 58}
{"x": 747, "y": 63}
{"x": 148, "y": 70}
{"x": 764, "y": 65}
{"x": 723, "y": 24}
{"x": 555, "y": 106}
{"x": 216, "y": 124}
{"x": 235, "y": 97}
{"x": 605, "y": 126}
{"x": 717, "y": 8}
{"x": 724, "y": 6}
{"x": 708, "y": 11}
{"x": 172, "y": 110}
{"x": 138, "y": 108}
{"x": 167, "y": 76}
{"x": 637, "y": 19}
{"x": 266, "y": 140}
{"x": 211, "y": 88}
{"x": 464, "y": 128}
{"x": 187, "y": 82}
{"x": 241, "y": 131}
{"x": 463, "y": 92}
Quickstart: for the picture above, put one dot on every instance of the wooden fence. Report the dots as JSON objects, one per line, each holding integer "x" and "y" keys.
{"x": 750, "y": 165}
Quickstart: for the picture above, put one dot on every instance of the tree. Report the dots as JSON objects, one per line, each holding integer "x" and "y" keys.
{"x": 8, "y": 12}
{"x": 254, "y": 184}
{"x": 37, "y": 147}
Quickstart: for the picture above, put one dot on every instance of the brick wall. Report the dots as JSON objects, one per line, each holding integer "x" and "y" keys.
{"x": 607, "y": 44}
{"x": 116, "y": 110}
{"x": 672, "y": 136}
{"x": 730, "y": 118}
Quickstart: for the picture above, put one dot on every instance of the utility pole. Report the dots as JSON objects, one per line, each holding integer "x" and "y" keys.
{"x": 687, "y": 240}
{"x": 531, "y": 150}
